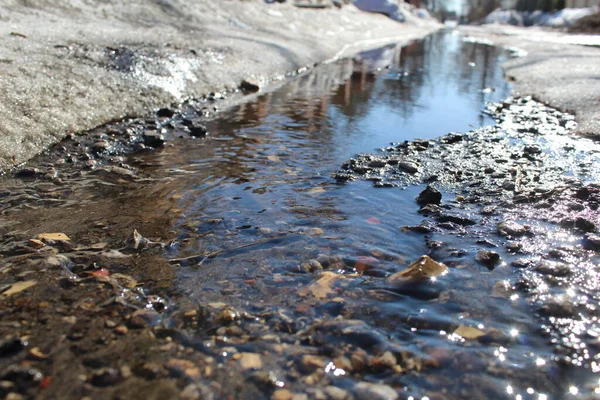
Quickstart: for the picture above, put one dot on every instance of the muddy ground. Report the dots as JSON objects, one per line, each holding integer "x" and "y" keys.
{"x": 90, "y": 312}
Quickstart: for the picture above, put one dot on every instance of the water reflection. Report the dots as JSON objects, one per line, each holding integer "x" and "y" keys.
{"x": 258, "y": 194}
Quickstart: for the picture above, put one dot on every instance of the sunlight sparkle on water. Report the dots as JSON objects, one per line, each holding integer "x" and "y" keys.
{"x": 574, "y": 390}
{"x": 540, "y": 361}
{"x": 514, "y": 332}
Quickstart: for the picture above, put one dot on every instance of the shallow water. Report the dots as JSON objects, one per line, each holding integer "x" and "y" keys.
{"x": 254, "y": 202}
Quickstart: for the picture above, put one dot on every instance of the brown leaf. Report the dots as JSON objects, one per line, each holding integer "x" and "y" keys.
{"x": 424, "y": 268}
{"x": 19, "y": 287}
{"x": 322, "y": 287}
{"x": 53, "y": 236}
{"x": 469, "y": 332}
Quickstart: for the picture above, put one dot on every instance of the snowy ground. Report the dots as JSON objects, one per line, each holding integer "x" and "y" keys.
{"x": 560, "y": 69}
{"x": 69, "y": 66}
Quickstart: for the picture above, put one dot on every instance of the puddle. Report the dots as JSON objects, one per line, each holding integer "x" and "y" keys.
{"x": 290, "y": 269}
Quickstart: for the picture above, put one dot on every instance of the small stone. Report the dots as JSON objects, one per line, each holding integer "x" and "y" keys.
{"x": 110, "y": 323}
{"x": 282, "y": 394}
{"x": 386, "y": 360}
{"x": 165, "y": 113}
{"x": 121, "y": 330}
{"x": 408, "y": 167}
{"x": 488, "y": 258}
{"x": 310, "y": 363}
{"x": 105, "y": 377}
{"x": 153, "y": 139}
{"x": 429, "y": 195}
{"x": 250, "y": 361}
{"x": 336, "y": 393}
{"x": 11, "y": 346}
{"x": 144, "y": 318}
{"x": 198, "y": 130}
{"x": 502, "y": 290}
{"x": 101, "y": 146}
{"x": 511, "y": 228}
{"x": 584, "y": 225}
{"x": 374, "y": 391}
{"x": 250, "y": 85}
{"x": 553, "y": 268}
{"x": 183, "y": 368}
{"x": 559, "y": 306}
{"x": 591, "y": 241}
{"x": 125, "y": 371}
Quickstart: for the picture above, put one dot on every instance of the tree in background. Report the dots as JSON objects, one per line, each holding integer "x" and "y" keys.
{"x": 544, "y": 5}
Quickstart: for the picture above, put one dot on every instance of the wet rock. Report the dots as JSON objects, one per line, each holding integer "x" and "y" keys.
{"x": 197, "y": 130}
{"x": 502, "y": 289}
{"x": 377, "y": 164}
{"x": 423, "y": 269}
{"x": 429, "y": 195}
{"x": 250, "y": 85}
{"x": 183, "y": 368}
{"x": 336, "y": 393}
{"x": 523, "y": 263}
{"x": 101, "y": 146}
{"x": 488, "y": 258}
{"x": 165, "y": 113}
{"x": 311, "y": 363}
{"x": 28, "y": 173}
{"x": 353, "y": 332}
{"x": 584, "y": 225}
{"x": 512, "y": 229}
{"x": 591, "y": 241}
{"x": 456, "y": 219}
{"x": 11, "y": 346}
{"x": 250, "y": 361}
{"x": 153, "y": 139}
{"x": 558, "y": 306}
{"x": 282, "y": 394}
{"x": 149, "y": 370}
{"x": 553, "y": 268}
{"x": 408, "y": 167}
{"x": 145, "y": 318}
{"x": 22, "y": 376}
{"x": 374, "y": 391}
{"x": 105, "y": 377}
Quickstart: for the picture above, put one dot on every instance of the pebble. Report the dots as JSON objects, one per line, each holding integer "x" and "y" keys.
{"x": 144, "y": 318}
{"x": 374, "y": 391}
{"x": 153, "y": 139}
{"x": 105, "y": 377}
{"x": 250, "y": 361}
{"x": 511, "y": 228}
{"x": 198, "y": 130}
{"x": 553, "y": 268}
{"x": 282, "y": 394}
{"x": 183, "y": 368}
{"x": 11, "y": 346}
{"x": 488, "y": 258}
{"x": 336, "y": 393}
{"x": 591, "y": 241}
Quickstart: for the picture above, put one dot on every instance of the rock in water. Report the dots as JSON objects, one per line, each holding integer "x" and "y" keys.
{"x": 429, "y": 196}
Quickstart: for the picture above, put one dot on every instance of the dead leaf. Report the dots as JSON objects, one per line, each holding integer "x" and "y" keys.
{"x": 53, "y": 236}
{"x": 19, "y": 287}
{"x": 373, "y": 221}
{"x": 425, "y": 268}
{"x": 364, "y": 263}
{"x": 322, "y": 287}
{"x": 469, "y": 332}
{"x": 316, "y": 190}
{"x": 35, "y": 243}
